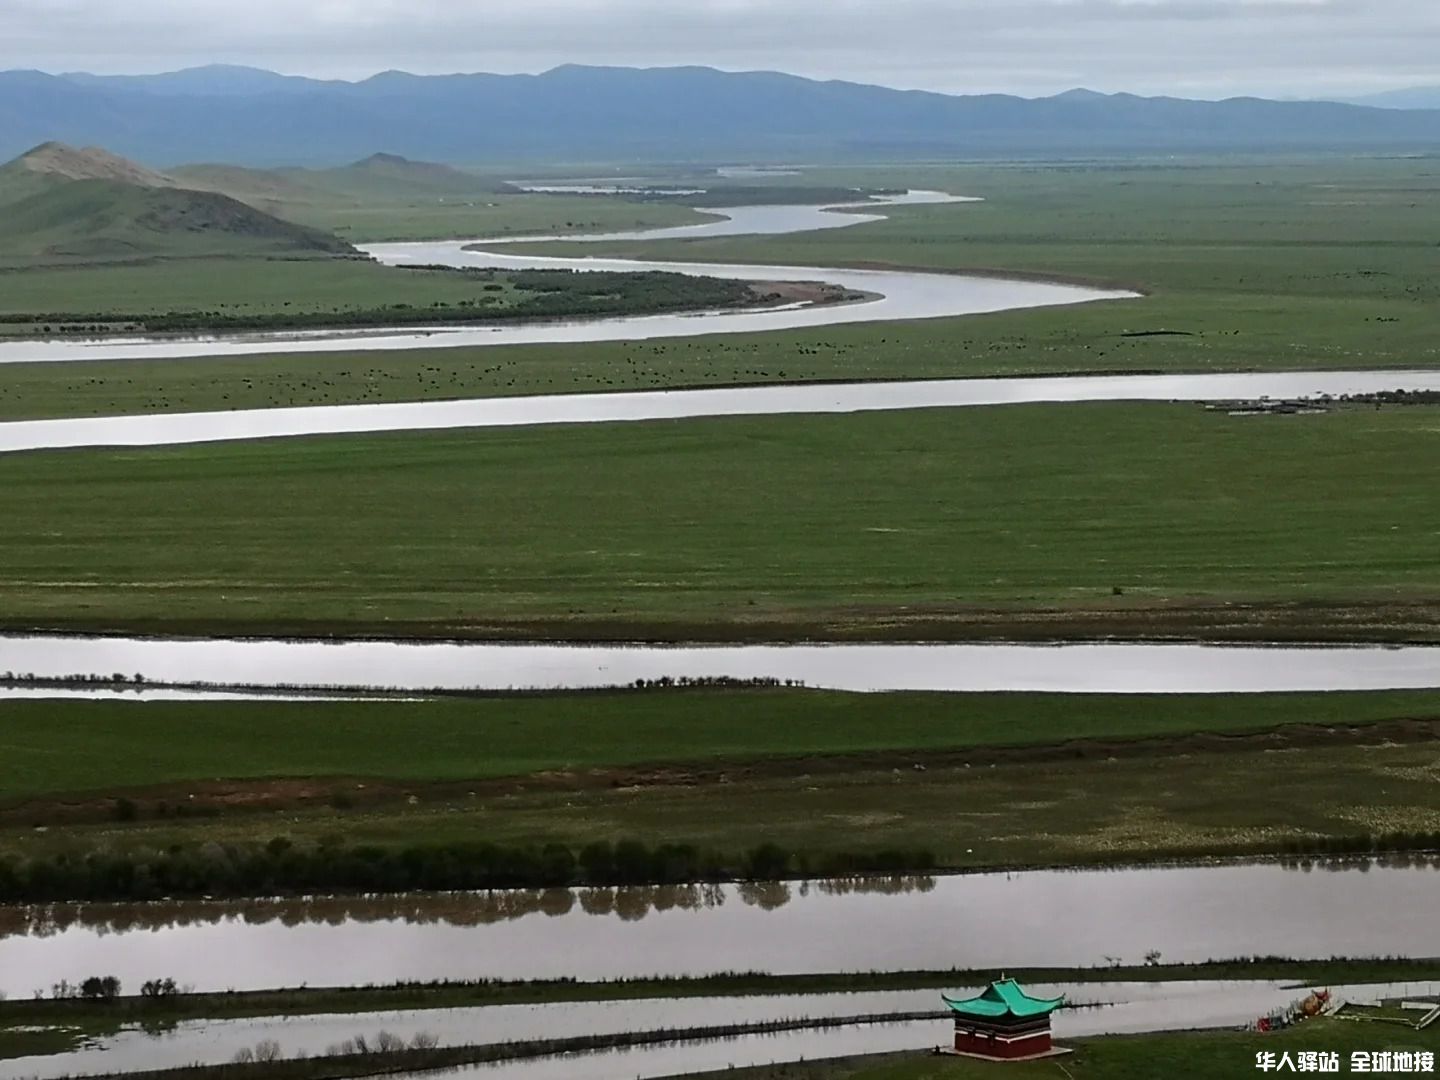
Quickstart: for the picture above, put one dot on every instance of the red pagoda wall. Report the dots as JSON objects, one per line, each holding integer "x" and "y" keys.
{"x": 1000, "y": 1046}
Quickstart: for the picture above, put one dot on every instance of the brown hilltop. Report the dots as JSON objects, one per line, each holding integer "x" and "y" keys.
{"x": 64, "y": 162}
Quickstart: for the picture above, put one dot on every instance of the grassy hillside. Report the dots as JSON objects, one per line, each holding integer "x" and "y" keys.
{"x": 268, "y": 190}
{"x": 383, "y": 177}
{"x": 62, "y": 203}
{"x": 108, "y": 218}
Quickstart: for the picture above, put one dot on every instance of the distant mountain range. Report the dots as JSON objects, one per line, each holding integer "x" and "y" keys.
{"x": 1414, "y": 97}
{"x": 251, "y": 117}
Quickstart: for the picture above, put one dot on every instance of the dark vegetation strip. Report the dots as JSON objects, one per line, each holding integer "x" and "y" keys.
{"x": 282, "y": 868}
{"x": 447, "y": 994}
{"x": 546, "y": 294}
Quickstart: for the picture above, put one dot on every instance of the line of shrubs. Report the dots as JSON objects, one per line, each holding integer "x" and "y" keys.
{"x": 281, "y": 867}
{"x": 548, "y": 294}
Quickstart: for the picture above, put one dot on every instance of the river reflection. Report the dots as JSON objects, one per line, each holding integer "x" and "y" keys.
{"x": 629, "y": 904}
{"x": 981, "y": 921}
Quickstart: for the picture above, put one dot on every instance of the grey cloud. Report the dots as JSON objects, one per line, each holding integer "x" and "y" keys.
{"x": 1204, "y": 47}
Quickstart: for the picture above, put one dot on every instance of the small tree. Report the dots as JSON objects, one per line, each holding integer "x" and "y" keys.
{"x": 100, "y": 988}
{"x": 159, "y": 988}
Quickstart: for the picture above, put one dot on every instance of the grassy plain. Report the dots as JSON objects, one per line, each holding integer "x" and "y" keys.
{"x": 1321, "y": 264}
{"x": 63, "y": 748}
{"x": 368, "y": 220}
{"x": 978, "y": 780}
{"x": 1040, "y": 521}
{"x": 1201, "y": 1055}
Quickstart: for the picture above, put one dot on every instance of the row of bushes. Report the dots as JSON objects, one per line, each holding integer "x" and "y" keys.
{"x": 281, "y": 867}
{"x": 547, "y": 294}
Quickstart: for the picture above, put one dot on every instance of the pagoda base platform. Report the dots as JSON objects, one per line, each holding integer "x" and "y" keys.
{"x": 1053, "y": 1052}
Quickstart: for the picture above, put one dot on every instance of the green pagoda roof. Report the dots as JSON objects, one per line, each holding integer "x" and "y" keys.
{"x": 1000, "y": 998}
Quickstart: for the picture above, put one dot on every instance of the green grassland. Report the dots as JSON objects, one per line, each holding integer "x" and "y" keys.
{"x": 1321, "y": 264}
{"x": 228, "y": 286}
{"x": 341, "y": 294}
{"x": 1037, "y": 520}
{"x": 1201, "y": 1055}
{"x": 64, "y": 747}
{"x": 1192, "y": 799}
{"x": 385, "y": 198}
{"x": 440, "y": 218}
{"x": 1325, "y": 264}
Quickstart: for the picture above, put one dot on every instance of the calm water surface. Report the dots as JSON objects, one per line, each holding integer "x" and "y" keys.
{"x": 1060, "y": 918}
{"x": 1074, "y": 668}
{"x": 178, "y": 428}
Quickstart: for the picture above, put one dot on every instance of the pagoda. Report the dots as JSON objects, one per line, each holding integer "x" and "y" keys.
{"x": 1004, "y": 1023}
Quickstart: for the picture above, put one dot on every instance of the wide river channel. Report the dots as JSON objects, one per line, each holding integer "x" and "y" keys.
{"x": 206, "y": 665}
{"x": 1035, "y": 918}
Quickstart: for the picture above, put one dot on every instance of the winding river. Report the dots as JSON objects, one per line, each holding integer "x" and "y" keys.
{"x": 901, "y": 294}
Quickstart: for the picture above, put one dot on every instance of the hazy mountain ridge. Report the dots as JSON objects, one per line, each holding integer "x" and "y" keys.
{"x": 246, "y": 116}
{"x": 1413, "y": 97}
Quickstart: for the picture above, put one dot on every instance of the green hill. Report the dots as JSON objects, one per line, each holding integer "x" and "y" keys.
{"x": 59, "y": 202}
{"x": 388, "y": 176}
{"x": 267, "y": 189}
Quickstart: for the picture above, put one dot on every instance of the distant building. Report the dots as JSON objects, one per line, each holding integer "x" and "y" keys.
{"x": 1003, "y": 1022}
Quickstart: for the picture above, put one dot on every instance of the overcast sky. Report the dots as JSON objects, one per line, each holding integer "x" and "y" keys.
{"x": 1201, "y": 48}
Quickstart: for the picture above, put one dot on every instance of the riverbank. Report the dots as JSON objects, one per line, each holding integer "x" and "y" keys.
{"x": 730, "y": 783}
{"x": 494, "y": 299}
